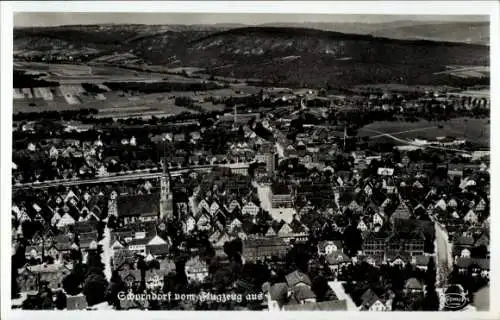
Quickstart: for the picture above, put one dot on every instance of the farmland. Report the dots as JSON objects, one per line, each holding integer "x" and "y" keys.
{"x": 474, "y": 130}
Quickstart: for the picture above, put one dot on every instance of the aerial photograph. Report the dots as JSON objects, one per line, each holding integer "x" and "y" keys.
{"x": 250, "y": 162}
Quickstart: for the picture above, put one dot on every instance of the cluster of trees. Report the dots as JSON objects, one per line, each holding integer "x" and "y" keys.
{"x": 188, "y": 103}
{"x": 23, "y": 80}
{"x": 92, "y": 88}
{"x": 165, "y": 86}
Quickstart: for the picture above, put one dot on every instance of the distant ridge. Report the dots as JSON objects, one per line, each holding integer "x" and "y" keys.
{"x": 309, "y": 32}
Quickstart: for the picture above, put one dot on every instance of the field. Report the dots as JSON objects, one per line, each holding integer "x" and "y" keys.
{"x": 474, "y": 130}
{"x": 113, "y": 106}
{"x": 74, "y": 74}
{"x": 467, "y": 71}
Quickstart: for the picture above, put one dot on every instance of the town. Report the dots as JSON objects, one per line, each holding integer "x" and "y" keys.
{"x": 234, "y": 195}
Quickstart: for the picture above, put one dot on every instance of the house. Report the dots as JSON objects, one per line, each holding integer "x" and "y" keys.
{"x": 378, "y": 219}
{"x": 281, "y": 196}
{"x": 411, "y": 243}
{"x": 233, "y": 205}
{"x": 143, "y": 245}
{"x": 476, "y": 267}
{"x": 413, "y": 285}
{"x": 371, "y": 302}
{"x": 250, "y": 208}
{"x": 30, "y": 277}
{"x": 285, "y": 230}
{"x": 66, "y": 220}
{"x": 214, "y": 208}
{"x": 235, "y": 224}
{"x": 421, "y": 262}
{"x": 402, "y": 212}
{"x": 276, "y": 295}
{"x": 132, "y": 208}
{"x": 196, "y": 269}
{"x": 336, "y": 260}
{"x": 326, "y": 247}
{"x": 471, "y": 217}
{"x": 362, "y": 225}
{"x": 462, "y": 245}
{"x": 297, "y": 278}
{"x": 259, "y": 249}
{"x": 302, "y": 295}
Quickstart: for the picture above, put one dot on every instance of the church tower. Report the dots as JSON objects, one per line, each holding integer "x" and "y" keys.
{"x": 166, "y": 198}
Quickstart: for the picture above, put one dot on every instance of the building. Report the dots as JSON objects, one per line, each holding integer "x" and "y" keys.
{"x": 281, "y": 196}
{"x": 264, "y": 248}
{"x": 138, "y": 208}
{"x": 326, "y": 247}
{"x": 392, "y": 248}
{"x": 30, "y": 278}
{"x": 240, "y": 168}
{"x": 166, "y": 201}
{"x": 267, "y": 155}
{"x": 196, "y": 269}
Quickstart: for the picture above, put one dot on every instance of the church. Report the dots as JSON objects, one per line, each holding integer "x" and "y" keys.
{"x": 145, "y": 207}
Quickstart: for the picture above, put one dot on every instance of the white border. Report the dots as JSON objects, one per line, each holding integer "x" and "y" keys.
{"x": 356, "y": 7}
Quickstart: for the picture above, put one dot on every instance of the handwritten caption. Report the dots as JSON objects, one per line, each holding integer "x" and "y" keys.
{"x": 192, "y": 297}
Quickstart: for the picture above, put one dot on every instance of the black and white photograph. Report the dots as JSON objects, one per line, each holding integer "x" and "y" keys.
{"x": 218, "y": 161}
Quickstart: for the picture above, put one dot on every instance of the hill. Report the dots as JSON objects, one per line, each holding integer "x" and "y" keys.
{"x": 286, "y": 55}
{"x": 465, "y": 32}
{"x": 322, "y": 56}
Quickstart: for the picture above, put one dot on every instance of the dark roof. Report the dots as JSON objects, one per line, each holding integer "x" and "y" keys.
{"x": 422, "y": 260}
{"x": 483, "y": 264}
{"x": 278, "y": 188}
{"x": 263, "y": 242}
{"x": 297, "y": 277}
{"x": 322, "y": 244}
{"x": 303, "y": 292}
{"x": 138, "y": 205}
{"x": 337, "y": 257}
{"x": 368, "y": 298}
{"x": 412, "y": 225}
{"x": 413, "y": 283}
{"x": 463, "y": 241}
{"x": 278, "y": 292}
{"x": 159, "y": 249}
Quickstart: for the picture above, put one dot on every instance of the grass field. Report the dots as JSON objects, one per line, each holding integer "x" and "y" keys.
{"x": 474, "y": 130}
{"x": 467, "y": 71}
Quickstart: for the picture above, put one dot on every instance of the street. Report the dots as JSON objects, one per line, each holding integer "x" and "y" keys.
{"x": 109, "y": 179}
{"x": 106, "y": 253}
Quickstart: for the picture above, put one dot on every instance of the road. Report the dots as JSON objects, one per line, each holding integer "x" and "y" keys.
{"x": 337, "y": 287}
{"x": 264, "y": 196}
{"x": 281, "y": 150}
{"x": 444, "y": 259}
{"x": 109, "y": 179}
{"x": 106, "y": 253}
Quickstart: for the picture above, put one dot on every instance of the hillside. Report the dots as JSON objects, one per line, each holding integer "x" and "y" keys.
{"x": 336, "y": 58}
{"x": 475, "y": 33}
{"x": 465, "y": 32}
{"x": 295, "y": 56}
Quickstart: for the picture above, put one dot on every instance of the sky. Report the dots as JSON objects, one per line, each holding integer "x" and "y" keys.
{"x": 33, "y": 19}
